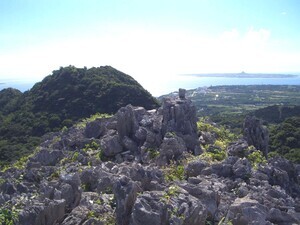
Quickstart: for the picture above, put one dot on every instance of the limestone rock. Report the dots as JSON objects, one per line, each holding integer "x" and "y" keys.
{"x": 205, "y": 194}
{"x": 96, "y": 128}
{"x": 125, "y": 193}
{"x": 157, "y": 208}
{"x": 48, "y": 157}
{"x": 195, "y": 167}
{"x": 124, "y": 180}
{"x": 171, "y": 148}
{"x": 126, "y": 121}
{"x": 111, "y": 145}
{"x": 238, "y": 149}
{"x": 277, "y": 216}
{"x": 256, "y": 134}
{"x": 247, "y": 211}
{"x": 182, "y": 93}
{"x": 48, "y": 213}
{"x": 77, "y": 216}
{"x": 242, "y": 169}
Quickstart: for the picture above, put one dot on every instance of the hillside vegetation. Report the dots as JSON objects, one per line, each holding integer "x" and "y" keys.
{"x": 61, "y": 99}
{"x": 285, "y": 138}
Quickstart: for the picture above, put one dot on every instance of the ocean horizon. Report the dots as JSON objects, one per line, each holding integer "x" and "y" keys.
{"x": 192, "y": 82}
{"x": 179, "y": 81}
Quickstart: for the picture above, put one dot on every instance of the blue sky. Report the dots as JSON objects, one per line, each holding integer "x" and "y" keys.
{"x": 149, "y": 40}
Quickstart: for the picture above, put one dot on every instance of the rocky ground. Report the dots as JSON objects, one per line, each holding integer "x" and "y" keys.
{"x": 143, "y": 167}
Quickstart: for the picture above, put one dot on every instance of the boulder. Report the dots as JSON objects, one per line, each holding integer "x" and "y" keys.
{"x": 77, "y": 216}
{"x": 168, "y": 208}
{"x": 153, "y": 140}
{"x": 238, "y": 149}
{"x": 46, "y": 213}
{"x": 171, "y": 148}
{"x": 205, "y": 194}
{"x": 148, "y": 177}
{"x": 242, "y": 169}
{"x": 129, "y": 144}
{"x": 140, "y": 135}
{"x": 89, "y": 179}
{"x": 246, "y": 211}
{"x": 70, "y": 189}
{"x": 284, "y": 173}
{"x": 110, "y": 145}
{"x": 277, "y": 216}
{"x": 222, "y": 169}
{"x": 48, "y": 157}
{"x": 194, "y": 168}
{"x": 96, "y": 128}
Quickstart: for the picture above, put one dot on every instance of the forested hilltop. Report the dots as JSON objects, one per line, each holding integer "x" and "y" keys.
{"x": 62, "y": 98}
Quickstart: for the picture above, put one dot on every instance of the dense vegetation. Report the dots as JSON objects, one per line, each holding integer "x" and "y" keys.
{"x": 61, "y": 99}
{"x": 285, "y": 139}
{"x": 277, "y": 113}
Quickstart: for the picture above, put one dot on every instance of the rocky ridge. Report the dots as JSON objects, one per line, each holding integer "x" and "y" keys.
{"x": 142, "y": 167}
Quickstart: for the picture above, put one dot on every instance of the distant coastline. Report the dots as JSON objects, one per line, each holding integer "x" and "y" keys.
{"x": 243, "y": 75}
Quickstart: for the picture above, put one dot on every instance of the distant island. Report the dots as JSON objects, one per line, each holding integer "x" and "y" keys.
{"x": 242, "y": 75}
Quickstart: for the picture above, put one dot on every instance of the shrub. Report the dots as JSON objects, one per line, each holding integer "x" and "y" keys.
{"x": 83, "y": 123}
{"x": 214, "y": 156}
{"x": 174, "y": 172}
{"x": 75, "y": 156}
{"x": 8, "y": 216}
{"x": 256, "y": 158}
{"x": 91, "y": 146}
{"x": 153, "y": 153}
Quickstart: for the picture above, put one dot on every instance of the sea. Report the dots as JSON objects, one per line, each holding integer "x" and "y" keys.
{"x": 192, "y": 82}
{"x": 17, "y": 84}
{"x": 187, "y": 82}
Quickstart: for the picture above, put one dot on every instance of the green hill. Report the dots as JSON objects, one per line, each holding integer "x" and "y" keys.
{"x": 277, "y": 113}
{"x": 61, "y": 99}
{"x": 9, "y": 100}
{"x": 103, "y": 89}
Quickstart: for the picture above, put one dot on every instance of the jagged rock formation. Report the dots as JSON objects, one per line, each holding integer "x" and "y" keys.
{"x": 133, "y": 131}
{"x": 256, "y": 134}
{"x": 113, "y": 171}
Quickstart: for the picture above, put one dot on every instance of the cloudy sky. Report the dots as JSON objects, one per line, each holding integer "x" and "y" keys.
{"x": 149, "y": 40}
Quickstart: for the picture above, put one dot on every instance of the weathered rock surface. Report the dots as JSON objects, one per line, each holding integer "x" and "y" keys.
{"x": 256, "y": 134}
{"x": 168, "y": 208}
{"x": 117, "y": 171}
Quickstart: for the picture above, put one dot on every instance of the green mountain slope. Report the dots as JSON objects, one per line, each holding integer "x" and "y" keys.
{"x": 9, "y": 100}
{"x": 103, "y": 89}
{"x": 61, "y": 99}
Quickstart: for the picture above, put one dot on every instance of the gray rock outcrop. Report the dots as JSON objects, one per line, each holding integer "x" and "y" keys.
{"x": 142, "y": 167}
{"x": 256, "y": 134}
